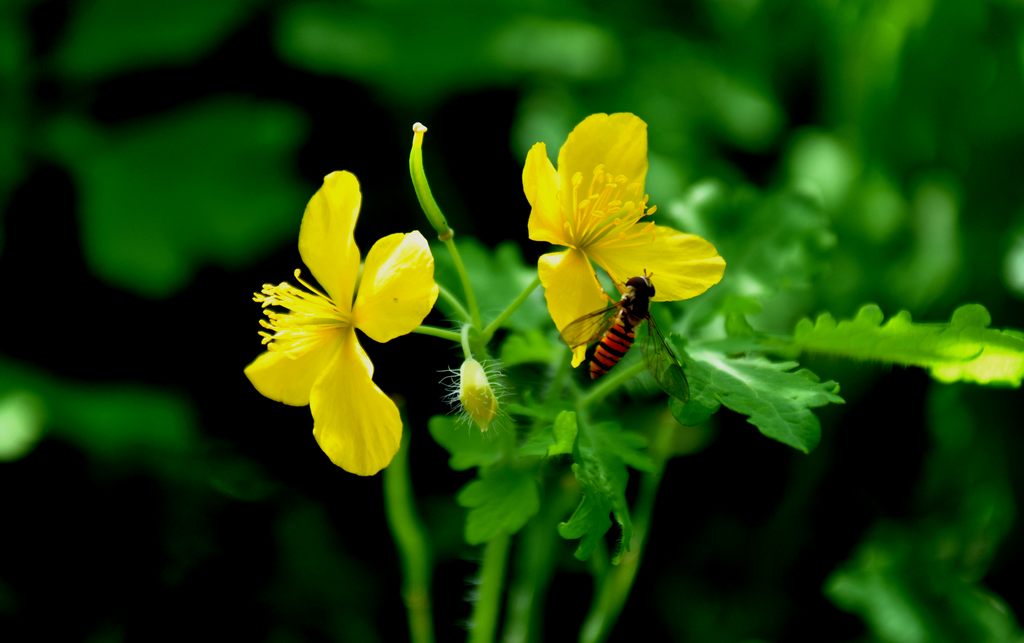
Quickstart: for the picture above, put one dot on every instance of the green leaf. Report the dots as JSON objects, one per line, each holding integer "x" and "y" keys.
{"x": 555, "y": 437}
{"x": 776, "y": 399}
{"x": 590, "y": 521}
{"x": 109, "y": 36}
{"x": 702, "y": 403}
{"x": 564, "y": 431}
{"x": 500, "y": 502}
{"x": 602, "y": 453}
{"x": 965, "y": 349}
{"x": 468, "y": 446}
{"x": 160, "y": 198}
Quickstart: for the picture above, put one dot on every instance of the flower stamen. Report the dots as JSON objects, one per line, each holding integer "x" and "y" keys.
{"x": 613, "y": 203}
{"x": 311, "y": 317}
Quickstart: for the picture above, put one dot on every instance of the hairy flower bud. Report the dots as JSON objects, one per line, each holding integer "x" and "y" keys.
{"x": 476, "y": 394}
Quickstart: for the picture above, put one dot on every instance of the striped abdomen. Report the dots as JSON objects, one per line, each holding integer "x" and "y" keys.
{"x": 612, "y": 347}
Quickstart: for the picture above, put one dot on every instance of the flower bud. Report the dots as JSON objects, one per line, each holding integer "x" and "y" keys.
{"x": 476, "y": 394}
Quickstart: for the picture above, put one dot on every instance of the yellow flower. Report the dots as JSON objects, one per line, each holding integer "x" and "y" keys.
{"x": 313, "y": 356}
{"x": 593, "y": 205}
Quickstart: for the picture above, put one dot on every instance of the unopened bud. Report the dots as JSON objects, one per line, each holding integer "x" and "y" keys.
{"x": 476, "y": 394}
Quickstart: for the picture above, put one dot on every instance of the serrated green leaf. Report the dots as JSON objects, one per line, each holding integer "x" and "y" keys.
{"x": 702, "y": 403}
{"x": 555, "y": 438}
{"x": 468, "y": 446}
{"x": 564, "y": 431}
{"x": 110, "y": 36}
{"x": 776, "y": 399}
{"x": 589, "y": 522}
{"x": 210, "y": 183}
{"x": 965, "y": 349}
{"x": 602, "y": 453}
{"x": 500, "y": 502}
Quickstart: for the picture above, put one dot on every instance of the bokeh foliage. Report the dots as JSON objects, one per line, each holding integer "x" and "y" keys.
{"x": 157, "y": 156}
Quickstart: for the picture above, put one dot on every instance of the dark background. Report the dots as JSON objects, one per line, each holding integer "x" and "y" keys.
{"x": 156, "y": 162}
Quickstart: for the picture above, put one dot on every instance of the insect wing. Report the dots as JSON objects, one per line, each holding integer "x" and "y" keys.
{"x": 664, "y": 365}
{"x": 589, "y": 328}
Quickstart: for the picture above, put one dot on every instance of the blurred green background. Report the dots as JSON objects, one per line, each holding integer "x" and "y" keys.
{"x": 155, "y": 159}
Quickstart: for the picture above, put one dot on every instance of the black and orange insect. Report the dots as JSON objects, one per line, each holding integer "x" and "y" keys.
{"x": 613, "y": 331}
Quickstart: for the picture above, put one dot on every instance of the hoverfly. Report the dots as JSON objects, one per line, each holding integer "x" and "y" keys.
{"x": 613, "y": 329}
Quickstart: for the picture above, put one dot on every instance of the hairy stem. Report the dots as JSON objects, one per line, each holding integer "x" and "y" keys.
{"x": 505, "y": 314}
{"x": 411, "y": 540}
{"x": 454, "y": 302}
{"x": 611, "y": 382}
{"x": 442, "y": 333}
{"x": 492, "y": 579}
{"x": 467, "y": 287}
{"x": 614, "y": 586}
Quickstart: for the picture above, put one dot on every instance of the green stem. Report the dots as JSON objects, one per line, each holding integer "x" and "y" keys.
{"x": 454, "y": 302}
{"x": 434, "y": 331}
{"x": 488, "y": 603}
{"x": 460, "y": 268}
{"x": 535, "y": 556}
{"x": 436, "y": 217}
{"x": 411, "y": 541}
{"x": 614, "y": 586}
{"x": 505, "y": 314}
{"x": 467, "y": 350}
{"x": 611, "y": 382}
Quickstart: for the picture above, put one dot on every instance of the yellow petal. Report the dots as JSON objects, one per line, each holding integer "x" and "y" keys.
{"x": 571, "y": 290}
{"x": 325, "y": 238}
{"x": 616, "y": 141}
{"x": 540, "y": 183}
{"x": 397, "y": 289}
{"x": 354, "y": 422}
{"x": 288, "y": 379}
{"x": 681, "y": 265}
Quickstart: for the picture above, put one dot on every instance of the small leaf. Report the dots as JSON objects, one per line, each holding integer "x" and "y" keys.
{"x": 500, "y": 502}
{"x": 468, "y": 446}
{"x": 565, "y": 434}
{"x": 549, "y": 440}
{"x": 776, "y": 399}
{"x": 601, "y": 454}
{"x": 965, "y": 349}
{"x": 588, "y": 523}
